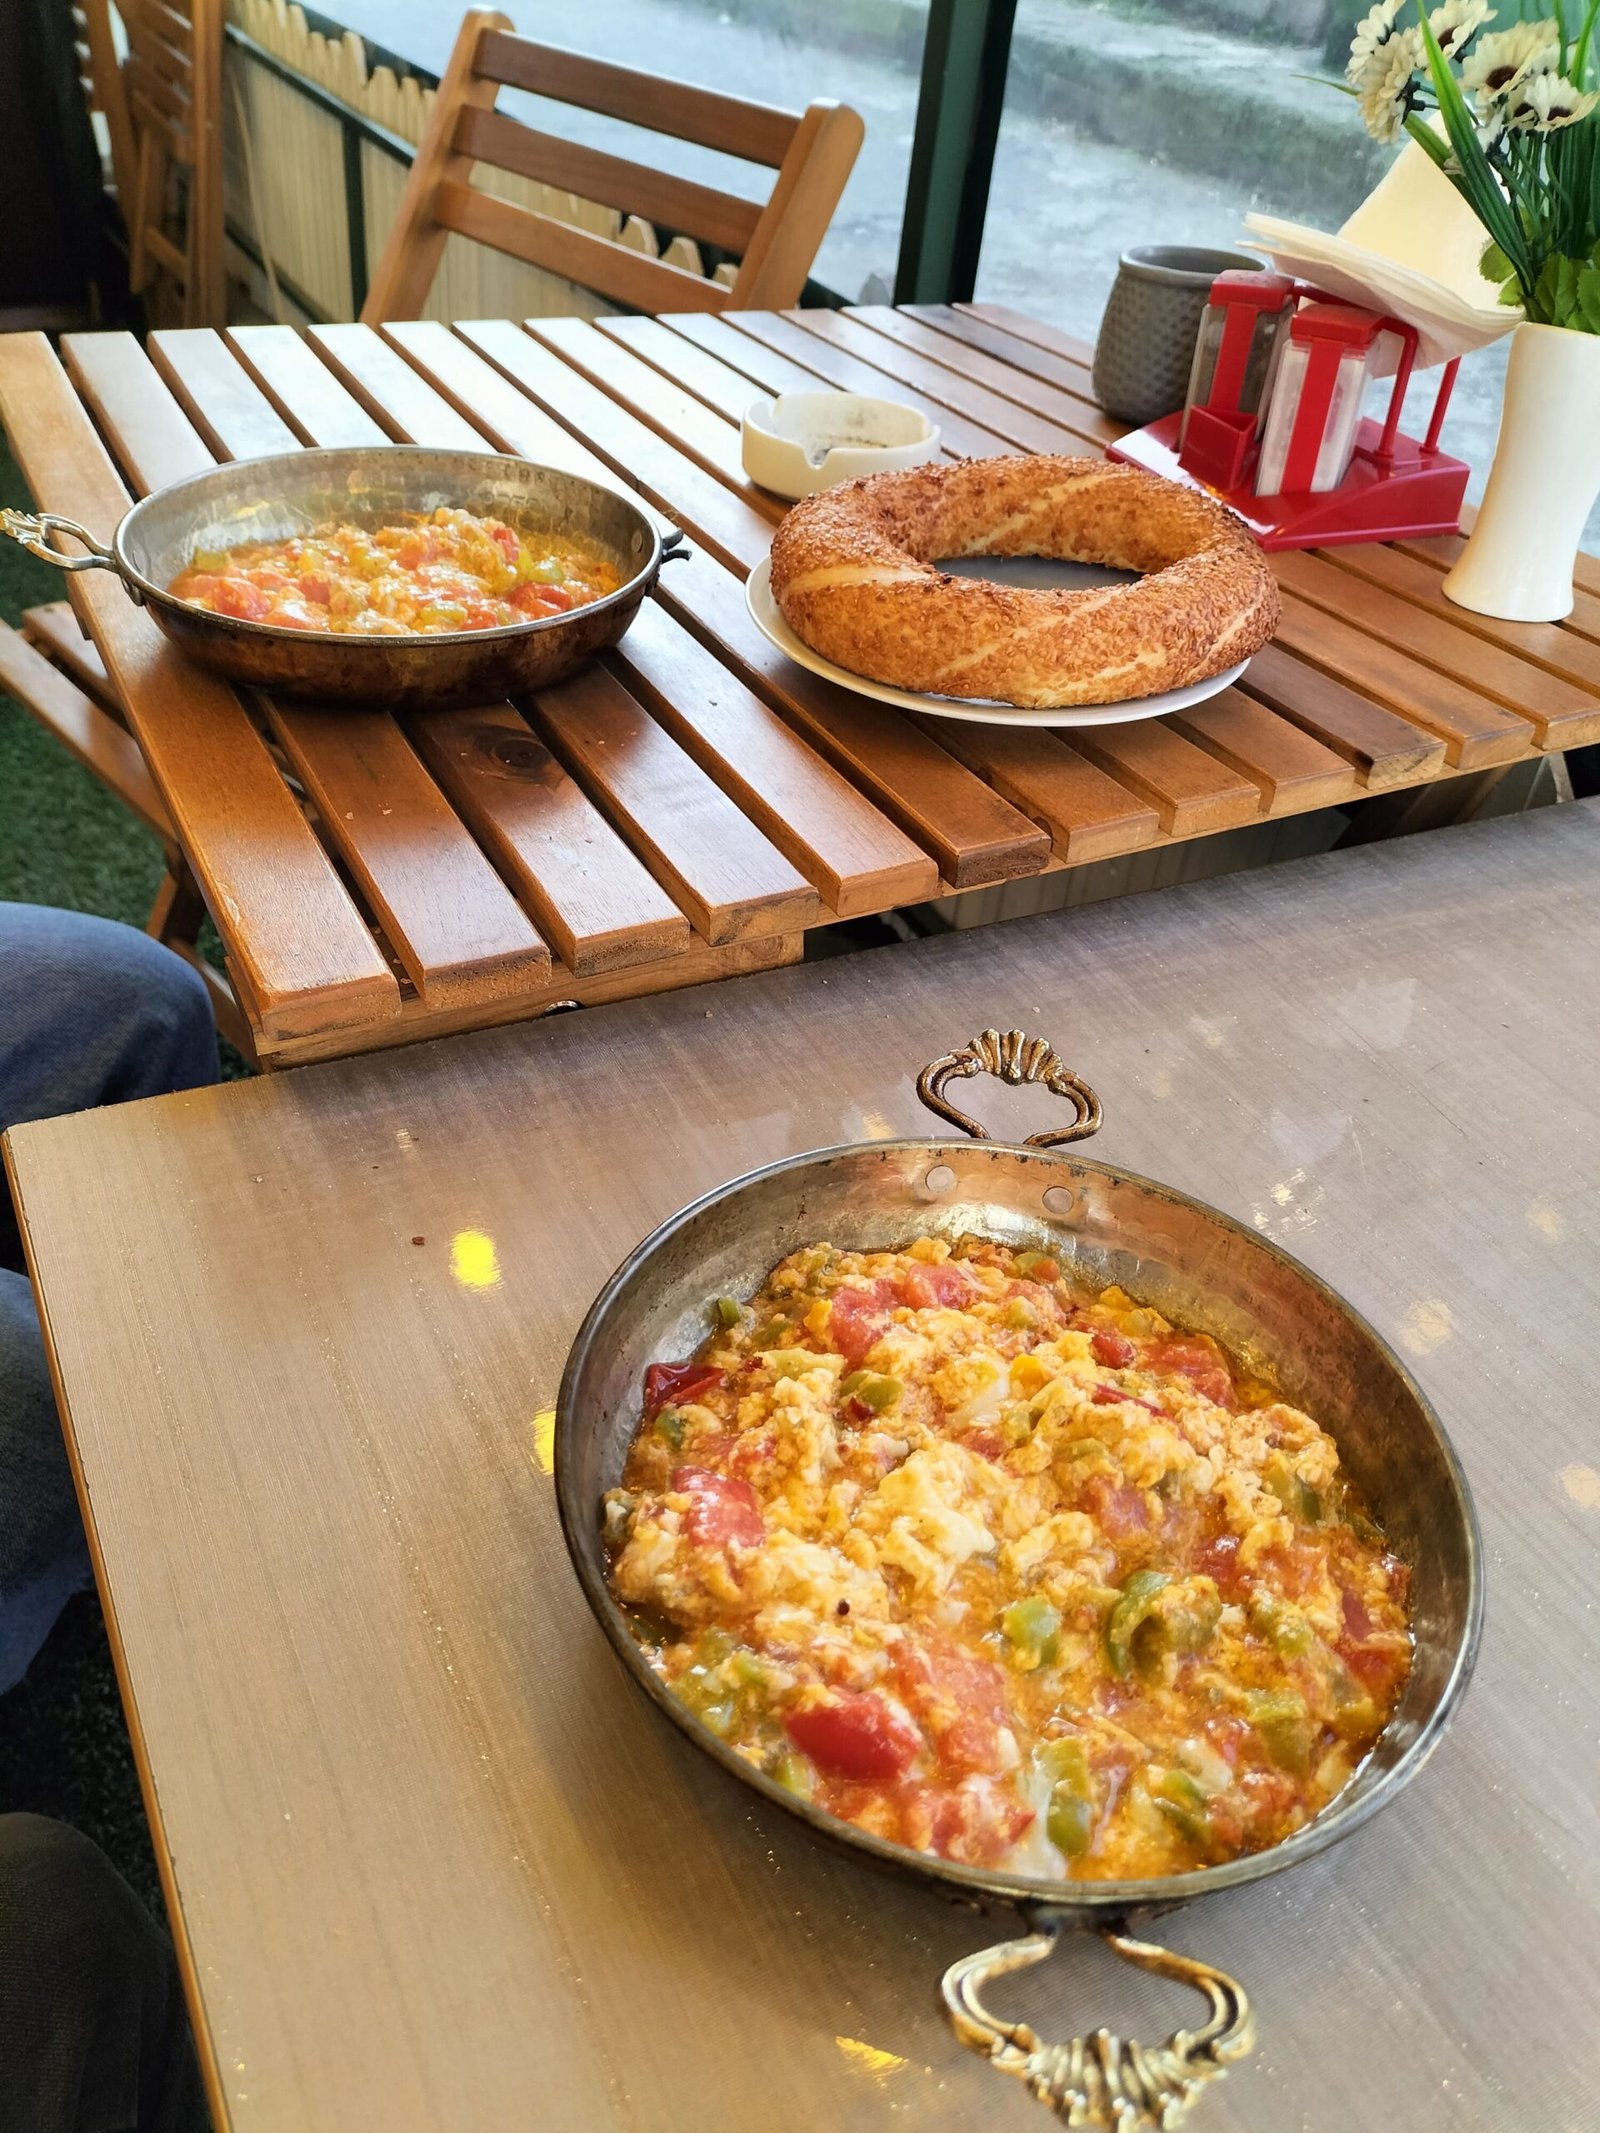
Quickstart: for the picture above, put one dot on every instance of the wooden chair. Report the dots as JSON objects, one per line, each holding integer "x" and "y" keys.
{"x": 105, "y": 93}
{"x": 775, "y": 245}
{"x": 174, "y": 85}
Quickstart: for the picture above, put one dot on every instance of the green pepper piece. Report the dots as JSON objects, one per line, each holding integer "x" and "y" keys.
{"x": 879, "y": 1393}
{"x": 1083, "y": 1448}
{"x": 1279, "y": 1716}
{"x": 795, "y": 1774}
{"x": 776, "y": 1333}
{"x": 1042, "y": 1265}
{"x": 1284, "y": 1627}
{"x": 1033, "y": 1627}
{"x": 1019, "y": 1315}
{"x": 790, "y": 1362}
{"x": 1069, "y": 1823}
{"x": 713, "y": 1647}
{"x": 1180, "y": 1799}
{"x": 669, "y": 1424}
{"x": 1129, "y": 1616}
{"x": 1016, "y": 1422}
{"x": 1298, "y": 1498}
{"x": 1064, "y": 1762}
{"x": 750, "y": 1669}
{"x": 720, "y": 1717}
{"x": 849, "y": 1386}
{"x": 547, "y": 571}
{"x": 727, "y": 1312}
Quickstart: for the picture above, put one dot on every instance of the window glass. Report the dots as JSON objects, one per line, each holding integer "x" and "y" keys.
{"x": 1165, "y": 122}
{"x": 784, "y": 52}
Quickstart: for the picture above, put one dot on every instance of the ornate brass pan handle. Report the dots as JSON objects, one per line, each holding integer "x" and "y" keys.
{"x": 37, "y": 530}
{"x": 1013, "y": 1058}
{"x": 1101, "y": 2080}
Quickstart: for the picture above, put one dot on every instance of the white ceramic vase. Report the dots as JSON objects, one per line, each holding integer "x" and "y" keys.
{"x": 1519, "y": 559}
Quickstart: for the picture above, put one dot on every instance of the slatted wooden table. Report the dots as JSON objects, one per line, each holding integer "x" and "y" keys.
{"x": 693, "y": 805}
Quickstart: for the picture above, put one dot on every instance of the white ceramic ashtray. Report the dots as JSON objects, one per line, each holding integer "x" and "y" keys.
{"x": 802, "y": 442}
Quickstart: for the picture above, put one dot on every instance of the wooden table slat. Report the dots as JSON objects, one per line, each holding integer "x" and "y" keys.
{"x": 1385, "y": 749}
{"x": 55, "y": 629}
{"x": 1561, "y": 712}
{"x": 219, "y": 396}
{"x": 1034, "y": 330}
{"x": 84, "y": 728}
{"x": 598, "y": 905}
{"x": 706, "y": 509}
{"x": 1189, "y": 788}
{"x": 733, "y": 883}
{"x": 1294, "y": 770}
{"x": 674, "y": 414}
{"x": 302, "y": 387}
{"x": 715, "y": 334}
{"x": 1073, "y": 411}
{"x": 692, "y": 366}
{"x": 1069, "y": 372}
{"x": 1089, "y": 814}
{"x": 455, "y": 926}
{"x": 151, "y": 437}
{"x": 1567, "y": 648}
{"x": 1022, "y": 430}
{"x": 391, "y": 391}
{"x": 855, "y": 857}
{"x": 837, "y": 367}
{"x": 296, "y": 942}
{"x": 975, "y": 835}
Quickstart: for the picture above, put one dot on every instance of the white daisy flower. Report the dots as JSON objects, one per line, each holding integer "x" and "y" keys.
{"x": 1504, "y": 58}
{"x": 1389, "y": 92}
{"x": 1374, "y": 32}
{"x": 1545, "y": 102}
{"x": 1457, "y": 22}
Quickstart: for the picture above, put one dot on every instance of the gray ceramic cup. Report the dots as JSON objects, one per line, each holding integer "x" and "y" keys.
{"x": 1147, "y": 337}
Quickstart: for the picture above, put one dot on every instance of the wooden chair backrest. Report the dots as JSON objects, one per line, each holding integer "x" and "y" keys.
{"x": 173, "y": 77}
{"x": 812, "y": 154}
{"x": 100, "y": 78}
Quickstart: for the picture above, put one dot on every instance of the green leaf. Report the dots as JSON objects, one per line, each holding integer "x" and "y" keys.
{"x": 1589, "y": 296}
{"x": 1566, "y": 291}
{"x": 1494, "y": 265}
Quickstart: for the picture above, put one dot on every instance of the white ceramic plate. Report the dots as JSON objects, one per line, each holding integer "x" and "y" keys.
{"x": 1026, "y": 570}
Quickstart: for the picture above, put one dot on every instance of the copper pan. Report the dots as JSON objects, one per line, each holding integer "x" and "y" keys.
{"x": 269, "y": 499}
{"x": 1203, "y": 1270}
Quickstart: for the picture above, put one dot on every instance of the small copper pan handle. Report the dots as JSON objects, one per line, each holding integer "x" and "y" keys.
{"x": 1101, "y": 2080}
{"x": 1016, "y": 1059}
{"x": 37, "y": 531}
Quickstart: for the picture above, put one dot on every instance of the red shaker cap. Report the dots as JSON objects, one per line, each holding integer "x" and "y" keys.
{"x": 1262, "y": 291}
{"x": 1347, "y": 324}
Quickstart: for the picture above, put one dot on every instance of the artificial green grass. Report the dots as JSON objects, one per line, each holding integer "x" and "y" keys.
{"x": 64, "y": 840}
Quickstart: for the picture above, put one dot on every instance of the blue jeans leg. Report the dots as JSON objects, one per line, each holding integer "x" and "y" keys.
{"x": 90, "y": 1013}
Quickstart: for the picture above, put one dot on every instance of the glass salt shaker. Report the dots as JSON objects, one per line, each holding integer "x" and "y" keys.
{"x": 1237, "y": 345}
{"x": 1316, "y": 399}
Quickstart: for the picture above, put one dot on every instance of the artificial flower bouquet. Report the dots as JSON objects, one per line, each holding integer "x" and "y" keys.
{"x": 1521, "y": 139}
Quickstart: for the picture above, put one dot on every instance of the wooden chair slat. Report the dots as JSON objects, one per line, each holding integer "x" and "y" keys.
{"x": 612, "y": 270}
{"x": 165, "y": 89}
{"x": 1074, "y": 411}
{"x": 739, "y": 354}
{"x": 676, "y": 204}
{"x": 452, "y": 921}
{"x": 56, "y": 631}
{"x": 89, "y": 734}
{"x": 1566, "y": 648}
{"x": 831, "y": 365}
{"x": 1294, "y": 770}
{"x": 153, "y": 439}
{"x": 1464, "y": 702}
{"x": 718, "y": 867}
{"x": 302, "y": 388}
{"x": 389, "y": 389}
{"x": 1022, "y": 430}
{"x": 726, "y": 392}
{"x": 1089, "y": 814}
{"x": 593, "y": 900}
{"x": 674, "y": 414}
{"x": 1034, "y": 331}
{"x": 219, "y": 396}
{"x": 295, "y": 940}
{"x": 976, "y": 837}
{"x": 1071, "y": 375}
{"x": 1189, "y": 789}
{"x": 756, "y": 133}
{"x": 1384, "y": 749}
{"x": 706, "y": 509}
{"x": 168, "y": 24}
{"x": 854, "y": 856}
{"x": 159, "y": 245}
{"x": 483, "y": 396}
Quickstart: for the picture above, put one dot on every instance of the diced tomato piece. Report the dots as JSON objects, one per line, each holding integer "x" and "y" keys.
{"x": 924, "y": 1287}
{"x": 268, "y": 579}
{"x": 977, "y": 1824}
{"x": 958, "y": 1699}
{"x": 1357, "y": 1622}
{"x": 1197, "y": 1358}
{"x": 506, "y": 540}
{"x": 676, "y": 1384}
{"x": 1109, "y": 1396}
{"x": 295, "y": 615}
{"x": 560, "y": 598}
{"x": 1218, "y": 1560}
{"x": 722, "y": 1512}
{"x": 1119, "y": 1509}
{"x": 1112, "y": 1350}
{"x": 483, "y": 615}
{"x": 239, "y": 598}
{"x": 987, "y": 1443}
{"x": 857, "y": 1320}
{"x": 316, "y": 588}
{"x": 856, "y": 1736}
{"x": 530, "y": 601}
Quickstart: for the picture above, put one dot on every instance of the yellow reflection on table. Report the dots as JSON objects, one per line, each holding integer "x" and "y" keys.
{"x": 544, "y": 1440}
{"x": 473, "y": 1259}
{"x": 867, "y": 2059}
